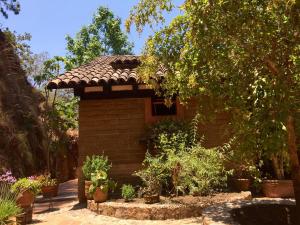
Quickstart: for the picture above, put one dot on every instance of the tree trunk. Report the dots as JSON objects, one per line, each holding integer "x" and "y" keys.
{"x": 277, "y": 163}
{"x": 294, "y": 160}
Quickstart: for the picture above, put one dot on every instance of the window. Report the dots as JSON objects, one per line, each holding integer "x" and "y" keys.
{"x": 160, "y": 109}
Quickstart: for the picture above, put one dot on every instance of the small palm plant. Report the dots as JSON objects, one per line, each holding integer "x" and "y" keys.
{"x": 8, "y": 205}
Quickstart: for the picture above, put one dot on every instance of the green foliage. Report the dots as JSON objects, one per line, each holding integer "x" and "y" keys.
{"x": 181, "y": 165}
{"x": 153, "y": 174}
{"x": 46, "y": 180}
{"x": 148, "y": 12}
{"x": 24, "y": 184}
{"x": 93, "y": 164}
{"x": 243, "y": 55}
{"x": 197, "y": 171}
{"x": 60, "y": 109}
{"x": 8, "y": 205}
{"x": 103, "y": 36}
{"x": 9, "y": 5}
{"x": 170, "y": 133}
{"x": 8, "y": 209}
{"x": 128, "y": 192}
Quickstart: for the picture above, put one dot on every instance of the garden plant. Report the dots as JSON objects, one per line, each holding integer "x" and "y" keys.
{"x": 128, "y": 192}
{"x": 8, "y": 205}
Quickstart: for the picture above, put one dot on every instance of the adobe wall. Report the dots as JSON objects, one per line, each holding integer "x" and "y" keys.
{"x": 115, "y": 127}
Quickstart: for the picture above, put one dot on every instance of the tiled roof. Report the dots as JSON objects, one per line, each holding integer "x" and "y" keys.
{"x": 119, "y": 69}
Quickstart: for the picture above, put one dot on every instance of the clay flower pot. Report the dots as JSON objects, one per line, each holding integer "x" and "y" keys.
{"x": 25, "y": 199}
{"x": 278, "y": 188}
{"x": 87, "y": 185}
{"x": 21, "y": 219}
{"x": 151, "y": 199}
{"x": 241, "y": 184}
{"x": 25, "y": 217}
{"x": 100, "y": 195}
{"x": 50, "y": 191}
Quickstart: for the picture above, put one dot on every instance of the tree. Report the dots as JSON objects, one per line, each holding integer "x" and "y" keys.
{"x": 102, "y": 37}
{"x": 9, "y": 5}
{"x": 243, "y": 55}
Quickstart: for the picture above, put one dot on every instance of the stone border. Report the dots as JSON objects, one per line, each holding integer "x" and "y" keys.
{"x": 142, "y": 211}
{"x": 162, "y": 210}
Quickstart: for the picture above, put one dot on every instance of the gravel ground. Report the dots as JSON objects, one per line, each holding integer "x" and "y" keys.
{"x": 70, "y": 216}
{"x": 70, "y": 213}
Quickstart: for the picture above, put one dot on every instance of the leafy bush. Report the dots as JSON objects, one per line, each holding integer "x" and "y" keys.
{"x": 172, "y": 134}
{"x": 94, "y": 164}
{"x": 153, "y": 174}
{"x": 197, "y": 170}
{"x": 128, "y": 192}
{"x": 24, "y": 184}
{"x": 8, "y": 205}
{"x": 181, "y": 165}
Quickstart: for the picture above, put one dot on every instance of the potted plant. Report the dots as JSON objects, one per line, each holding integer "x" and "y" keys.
{"x": 128, "y": 192}
{"x": 92, "y": 165}
{"x": 244, "y": 176}
{"x": 27, "y": 189}
{"x": 49, "y": 186}
{"x": 277, "y": 186}
{"x": 100, "y": 186}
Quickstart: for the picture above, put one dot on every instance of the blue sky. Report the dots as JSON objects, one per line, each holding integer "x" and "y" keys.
{"x": 48, "y": 21}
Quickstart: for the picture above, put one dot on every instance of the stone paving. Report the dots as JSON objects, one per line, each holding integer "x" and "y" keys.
{"x": 67, "y": 211}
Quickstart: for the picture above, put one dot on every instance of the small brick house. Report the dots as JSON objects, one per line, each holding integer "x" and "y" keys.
{"x": 114, "y": 109}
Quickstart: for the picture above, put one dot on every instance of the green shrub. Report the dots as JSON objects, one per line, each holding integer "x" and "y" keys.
{"x": 197, "y": 170}
{"x": 153, "y": 174}
{"x": 172, "y": 134}
{"x": 24, "y": 184}
{"x": 8, "y": 208}
{"x": 8, "y": 205}
{"x": 181, "y": 165}
{"x": 94, "y": 164}
{"x": 128, "y": 192}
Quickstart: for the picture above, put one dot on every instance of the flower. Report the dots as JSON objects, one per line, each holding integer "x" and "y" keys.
{"x": 33, "y": 177}
{"x": 8, "y": 177}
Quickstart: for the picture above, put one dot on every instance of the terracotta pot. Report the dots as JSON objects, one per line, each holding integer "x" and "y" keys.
{"x": 21, "y": 219}
{"x": 241, "y": 184}
{"x": 151, "y": 199}
{"x": 278, "y": 188}
{"x": 25, "y": 199}
{"x": 100, "y": 195}
{"x": 25, "y": 217}
{"x": 87, "y": 185}
{"x": 50, "y": 191}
